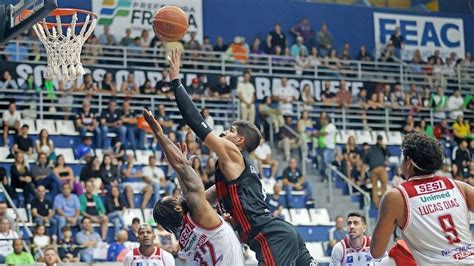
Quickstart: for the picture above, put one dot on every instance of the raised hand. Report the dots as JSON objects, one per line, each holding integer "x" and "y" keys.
{"x": 151, "y": 120}
{"x": 175, "y": 61}
{"x": 184, "y": 150}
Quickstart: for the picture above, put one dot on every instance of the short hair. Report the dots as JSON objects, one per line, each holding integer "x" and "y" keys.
{"x": 50, "y": 247}
{"x": 136, "y": 220}
{"x": 357, "y": 214}
{"x": 25, "y": 126}
{"x": 339, "y": 216}
{"x": 250, "y": 132}
{"x": 425, "y": 152}
{"x": 145, "y": 225}
{"x": 84, "y": 219}
{"x": 65, "y": 228}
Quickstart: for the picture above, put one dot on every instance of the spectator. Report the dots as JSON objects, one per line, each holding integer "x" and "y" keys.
{"x": 111, "y": 121}
{"x": 6, "y": 238}
{"x": 387, "y": 55}
{"x": 222, "y": 90}
{"x": 23, "y": 143}
{"x": 303, "y": 63}
{"x": 104, "y": 36}
{"x": 337, "y": 233}
{"x": 289, "y": 138}
{"x": 461, "y": 129}
{"x": 42, "y": 211}
{"x": 147, "y": 88}
{"x": 436, "y": 56}
{"x": 118, "y": 152}
{"x": 376, "y": 159}
{"x": 397, "y": 97}
{"x": 304, "y": 30}
{"x": 293, "y": 179}
{"x": 84, "y": 150}
{"x": 345, "y": 53}
{"x": 110, "y": 173}
{"x": 40, "y": 241}
{"x": 314, "y": 59}
{"x": 43, "y": 175}
{"x": 4, "y": 214}
{"x": 273, "y": 115}
{"x": 210, "y": 173}
{"x": 11, "y": 121}
{"x": 324, "y": 40}
{"x": 67, "y": 246}
{"x": 91, "y": 51}
{"x": 298, "y": 47}
{"x": 397, "y": 41}
{"x": 278, "y": 37}
{"x": 91, "y": 171}
{"x": 127, "y": 40}
{"x": 192, "y": 144}
{"x": 86, "y": 121}
{"x": 267, "y": 45}
{"x": 307, "y": 98}
{"x": 130, "y": 86}
{"x": 385, "y": 98}
{"x": 115, "y": 207}
{"x": 438, "y": 103}
{"x": 89, "y": 87}
{"x": 130, "y": 170}
{"x": 246, "y": 94}
{"x": 413, "y": 99}
{"x": 165, "y": 121}
{"x": 66, "y": 175}
{"x": 206, "y": 44}
{"x": 417, "y": 64}
{"x": 21, "y": 178}
{"x": 87, "y": 238}
{"x": 196, "y": 89}
{"x": 192, "y": 44}
{"x": 344, "y": 96}
{"x": 355, "y": 168}
{"x": 163, "y": 86}
{"x": 16, "y": 51}
{"x": 133, "y": 231}
{"x": 51, "y": 258}
{"x": 425, "y": 128}
{"x": 327, "y": 96}
{"x": 263, "y": 154}
{"x": 327, "y": 143}
{"x": 117, "y": 250}
{"x": 399, "y": 179}
{"x": 19, "y": 256}
{"x": 93, "y": 208}
{"x": 145, "y": 39}
{"x": 220, "y": 45}
{"x": 461, "y": 161}
{"x": 134, "y": 134}
{"x": 363, "y": 55}
{"x": 7, "y": 82}
{"x": 409, "y": 126}
{"x": 108, "y": 84}
{"x": 285, "y": 95}
{"x": 200, "y": 171}
{"x": 155, "y": 177}
{"x": 426, "y": 97}
{"x": 67, "y": 208}
{"x": 455, "y": 104}
{"x": 332, "y": 63}
{"x": 45, "y": 145}
{"x": 237, "y": 51}
{"x": 274, "y": 203}
{"x": 207, "y": 117}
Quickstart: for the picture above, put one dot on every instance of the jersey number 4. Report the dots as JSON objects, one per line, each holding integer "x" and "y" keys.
{"x": 447, "y": 224}
{"x": 206, "y": 248}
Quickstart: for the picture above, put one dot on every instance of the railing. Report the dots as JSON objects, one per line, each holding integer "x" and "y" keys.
{"x": 351, "y": 186}
{"x": 461, "y": 76}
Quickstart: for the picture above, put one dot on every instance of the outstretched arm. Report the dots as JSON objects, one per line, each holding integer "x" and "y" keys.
{"x": 191, "y": 184}
{"x": 226, "y": 150}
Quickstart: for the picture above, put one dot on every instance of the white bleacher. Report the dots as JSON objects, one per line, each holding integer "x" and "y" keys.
{"x": 148, "y": 216}
{"x": 4, "y": 152}
{"x": 142, "y": 156}
{"x": 129, "y": 214}
{"x": 316, "y": 250}
{"x": 343, "y": 135}
{"x": 300, "y": 217}
{"x": 379, "y": 133}
{"x": 286, "y": 215}
{"x": 47, "y": 124}
{"x": 363, "y": 136}
{"x": 394, "y": 138}
{"x": 320, "y": 216}
{"x": 99, "y": 153}
{"x": 267, "y": 184}
{"x": 68, "y": 154}
{"x": 22, "y": 213}
{"x": 218, "y": 129}
{"x": 31, "y": 126}
{"x": 66, "y": 127}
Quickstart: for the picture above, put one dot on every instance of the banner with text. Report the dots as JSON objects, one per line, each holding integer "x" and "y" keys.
{"x": 424, "y": 33}
{"x": 138, "y": 15}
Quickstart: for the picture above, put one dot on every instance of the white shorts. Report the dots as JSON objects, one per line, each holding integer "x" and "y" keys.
{"x": 137, "y": 187}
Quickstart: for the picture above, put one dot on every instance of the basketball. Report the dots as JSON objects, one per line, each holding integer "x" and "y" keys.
{"x": 170, "y": 23}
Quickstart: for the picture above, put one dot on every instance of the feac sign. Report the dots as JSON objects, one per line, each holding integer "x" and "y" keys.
{"x": 421, "y": 32}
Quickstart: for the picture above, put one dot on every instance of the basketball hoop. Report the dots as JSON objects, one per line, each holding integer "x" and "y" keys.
{"x": 64, "y": 50}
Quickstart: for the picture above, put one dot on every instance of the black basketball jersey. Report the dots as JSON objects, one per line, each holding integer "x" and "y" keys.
{"x": 244, "y": 199}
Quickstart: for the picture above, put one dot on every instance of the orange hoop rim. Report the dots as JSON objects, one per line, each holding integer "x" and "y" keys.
{"x": 60, "y": 12}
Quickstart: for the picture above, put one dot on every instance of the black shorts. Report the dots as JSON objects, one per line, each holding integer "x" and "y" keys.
{"x": 280, "y": 244}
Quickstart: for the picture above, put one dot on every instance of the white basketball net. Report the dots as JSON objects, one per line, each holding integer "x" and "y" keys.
{"x": 64, "y": 51}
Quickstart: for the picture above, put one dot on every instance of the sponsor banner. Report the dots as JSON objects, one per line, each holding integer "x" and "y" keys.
{"x": 264, "y": 85}
{"x": 138, "y": 15}
{"x": 422, "y": 33}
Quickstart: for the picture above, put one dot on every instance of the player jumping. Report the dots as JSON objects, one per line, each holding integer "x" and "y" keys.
{"x": 432, "y": 211}
{"x": 204, "y": 237}
{"x": 238, "y": 189}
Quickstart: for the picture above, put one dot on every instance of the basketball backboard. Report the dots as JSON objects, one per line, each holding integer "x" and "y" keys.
{"x": 12, "y": 24}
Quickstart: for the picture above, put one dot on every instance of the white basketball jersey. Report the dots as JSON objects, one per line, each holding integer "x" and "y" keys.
{"x": 159, "y": 258}
{"x": 437, "y": 227}
{"x": 217, "y": 246}
{"x": 346, "y": 255}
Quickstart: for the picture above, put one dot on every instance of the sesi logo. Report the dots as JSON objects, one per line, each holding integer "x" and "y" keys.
{"x": 430, "y": 187}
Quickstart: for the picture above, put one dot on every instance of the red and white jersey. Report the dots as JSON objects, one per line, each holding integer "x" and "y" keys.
{"x": 437, "y": 226}
{"x": 159, "y": 258}
{"x": 345, "y": 255}
{"x": 217, "y": 246}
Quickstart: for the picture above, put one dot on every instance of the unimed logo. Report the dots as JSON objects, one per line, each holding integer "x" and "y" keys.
{"x": 113, "y": 8}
